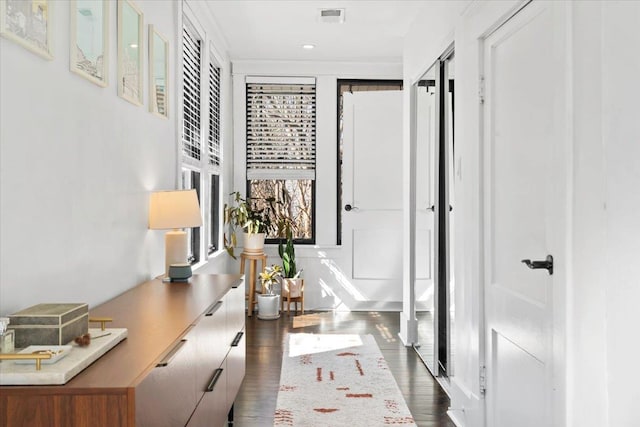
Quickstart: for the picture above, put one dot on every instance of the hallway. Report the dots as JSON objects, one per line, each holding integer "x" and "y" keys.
{"x": 256, "y": 401}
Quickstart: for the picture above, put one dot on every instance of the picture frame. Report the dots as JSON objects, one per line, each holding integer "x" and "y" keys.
{"x": 158, "y": 73}
{"x": 89, "y": 40}
{"x": 130, "y": 52}
{"x": 28, "y": 23}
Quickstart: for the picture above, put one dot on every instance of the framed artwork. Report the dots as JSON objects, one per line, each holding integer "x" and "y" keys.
{"x": 130, "y": 40}
{"x": 158, "y": 74}
{"x": 89, "y": 41}
{"x": 28, "y": 23}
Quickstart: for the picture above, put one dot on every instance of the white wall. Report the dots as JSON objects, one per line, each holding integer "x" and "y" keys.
{"x": 602, "y": 291}
{"x": 621, "y": 140}
{"x": 587, "y": 403}
{"x": 323, "y": 263}
{"x": 604, "y": 350}
{"x": 77, "y": 164}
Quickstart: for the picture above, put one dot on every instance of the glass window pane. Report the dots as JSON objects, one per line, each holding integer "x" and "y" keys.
{"x": 294, "y": 200}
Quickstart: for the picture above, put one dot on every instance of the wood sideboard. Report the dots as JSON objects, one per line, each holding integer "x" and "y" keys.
{"x": 182, "y": 363}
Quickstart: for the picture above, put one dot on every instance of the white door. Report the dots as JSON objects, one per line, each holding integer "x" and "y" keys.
{"x": 426, "y": 144}
{"x": 372, "y": 195}
{"x": 524, "y": 193}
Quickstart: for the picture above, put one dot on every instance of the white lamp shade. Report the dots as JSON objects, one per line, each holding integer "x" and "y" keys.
{"x": 174, "y": 209}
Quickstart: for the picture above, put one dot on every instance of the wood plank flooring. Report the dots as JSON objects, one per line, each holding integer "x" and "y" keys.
{"x": 256, "y": 400}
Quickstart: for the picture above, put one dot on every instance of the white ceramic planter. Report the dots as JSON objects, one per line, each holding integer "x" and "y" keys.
{"x": 268, "y": 307}
{"x": 254, "y": 243}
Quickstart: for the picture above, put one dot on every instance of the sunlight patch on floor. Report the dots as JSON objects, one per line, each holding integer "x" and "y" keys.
{"x": 313, "y": 319}
{"x": 301, "y": 344}
{"x": 385, "y": 333}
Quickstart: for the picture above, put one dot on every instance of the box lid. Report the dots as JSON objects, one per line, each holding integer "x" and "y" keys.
{"x": 49, "y": 314}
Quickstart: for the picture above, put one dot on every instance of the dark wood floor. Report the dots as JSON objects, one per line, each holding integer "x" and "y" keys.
{"x": 256, "y": 401}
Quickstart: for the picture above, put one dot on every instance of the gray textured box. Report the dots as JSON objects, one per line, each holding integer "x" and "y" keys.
{"x": 50, "y": 324}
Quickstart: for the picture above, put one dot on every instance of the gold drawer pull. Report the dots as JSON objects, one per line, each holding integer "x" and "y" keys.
{"x": 102, "y": 320}
{"x": 19, "y": 356}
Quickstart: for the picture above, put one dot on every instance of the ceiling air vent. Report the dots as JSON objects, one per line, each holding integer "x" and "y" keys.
{"x": 331, "y": 16}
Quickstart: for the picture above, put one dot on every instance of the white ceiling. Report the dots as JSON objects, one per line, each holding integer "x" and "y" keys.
{"x": 373, "y": 31}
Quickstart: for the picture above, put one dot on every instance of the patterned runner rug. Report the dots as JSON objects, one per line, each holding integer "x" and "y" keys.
{"x": 337, "y": 380}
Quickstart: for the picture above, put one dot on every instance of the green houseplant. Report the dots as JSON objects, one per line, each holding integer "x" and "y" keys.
{"x": 245, "y": 215}
{"x": 268, "y": 301}
{"x": 286, "y": 249}
{"x": 291, "y": 281}
{"x": 269, "y": 277}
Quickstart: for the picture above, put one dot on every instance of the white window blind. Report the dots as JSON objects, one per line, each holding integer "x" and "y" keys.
{"x": 191, "y": 95}
{"x": 281, "y": 131}
{"x": 213, "y": 140}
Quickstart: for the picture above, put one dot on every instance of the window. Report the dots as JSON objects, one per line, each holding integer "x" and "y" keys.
{"x": 201, "y": 136}
{"x": 213, "y": 140}
{"x": 281, "y": 149}
{"x": 191, "y": 179}
{"x": 349, "y": 85}
{"x": 214, "y": 213}
{"x": 214, "y": 157}
{"x": 191, "y": 94}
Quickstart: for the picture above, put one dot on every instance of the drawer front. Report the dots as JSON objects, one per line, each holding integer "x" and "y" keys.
{"x": 236, "y": 365}
{"x": 212, "y": 409}
{"x": 211, "y": 344}
{"x": 235, "y": 310}
{"x": 167, "y": 397}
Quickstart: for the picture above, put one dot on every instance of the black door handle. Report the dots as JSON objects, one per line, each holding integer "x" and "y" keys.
{"x": 349, "y": 208}
{"x": 432, "y": 208}
{"x": 547, "y": 264}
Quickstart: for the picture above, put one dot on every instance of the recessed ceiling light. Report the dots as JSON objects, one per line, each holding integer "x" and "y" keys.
{"x": 308, "y": 46}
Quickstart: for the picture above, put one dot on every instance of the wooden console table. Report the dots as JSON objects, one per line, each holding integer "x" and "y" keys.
{"x": 182, "y": 363}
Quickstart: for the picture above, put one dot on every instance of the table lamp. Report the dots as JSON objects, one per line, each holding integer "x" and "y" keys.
{"x": 174, "y": 210}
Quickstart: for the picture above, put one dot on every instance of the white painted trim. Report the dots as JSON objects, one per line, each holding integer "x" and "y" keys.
{"x": 408, "y": 321}
{"x": 304, "y": 68}
{"x": 467, "y": 408}
{"x": 281, "y": 80}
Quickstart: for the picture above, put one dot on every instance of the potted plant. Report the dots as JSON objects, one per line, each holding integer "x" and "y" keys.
{"x": 291, "y": 281}
{"x": 255, "y": 223}
{"x": 268, "y": 301}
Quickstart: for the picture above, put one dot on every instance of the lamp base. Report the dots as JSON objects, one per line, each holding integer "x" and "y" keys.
{"x": 175, "y": 249}
{"x": 180, "y": 272}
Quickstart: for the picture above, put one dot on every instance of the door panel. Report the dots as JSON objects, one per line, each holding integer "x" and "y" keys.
{"x": 371, "y": 260}
{"x": 372, "y": 229}
{"x": 424, "y": 247}
{"x": 523, "y": 211}
{"x": 426, "y": 136}
{"x": 426, "y": 131}
{"x": 518, "y": 406}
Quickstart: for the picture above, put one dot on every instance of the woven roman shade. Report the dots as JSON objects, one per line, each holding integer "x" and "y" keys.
{"x": 281, "y": 130}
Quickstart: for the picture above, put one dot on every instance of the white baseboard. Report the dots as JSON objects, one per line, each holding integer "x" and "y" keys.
{"x": 467, "y": 408}
{"x": 454, "y": 417}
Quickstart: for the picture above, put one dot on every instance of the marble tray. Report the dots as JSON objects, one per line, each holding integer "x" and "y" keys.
{"x": 12, "y": 373}
{"x": 59, "y": 351}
